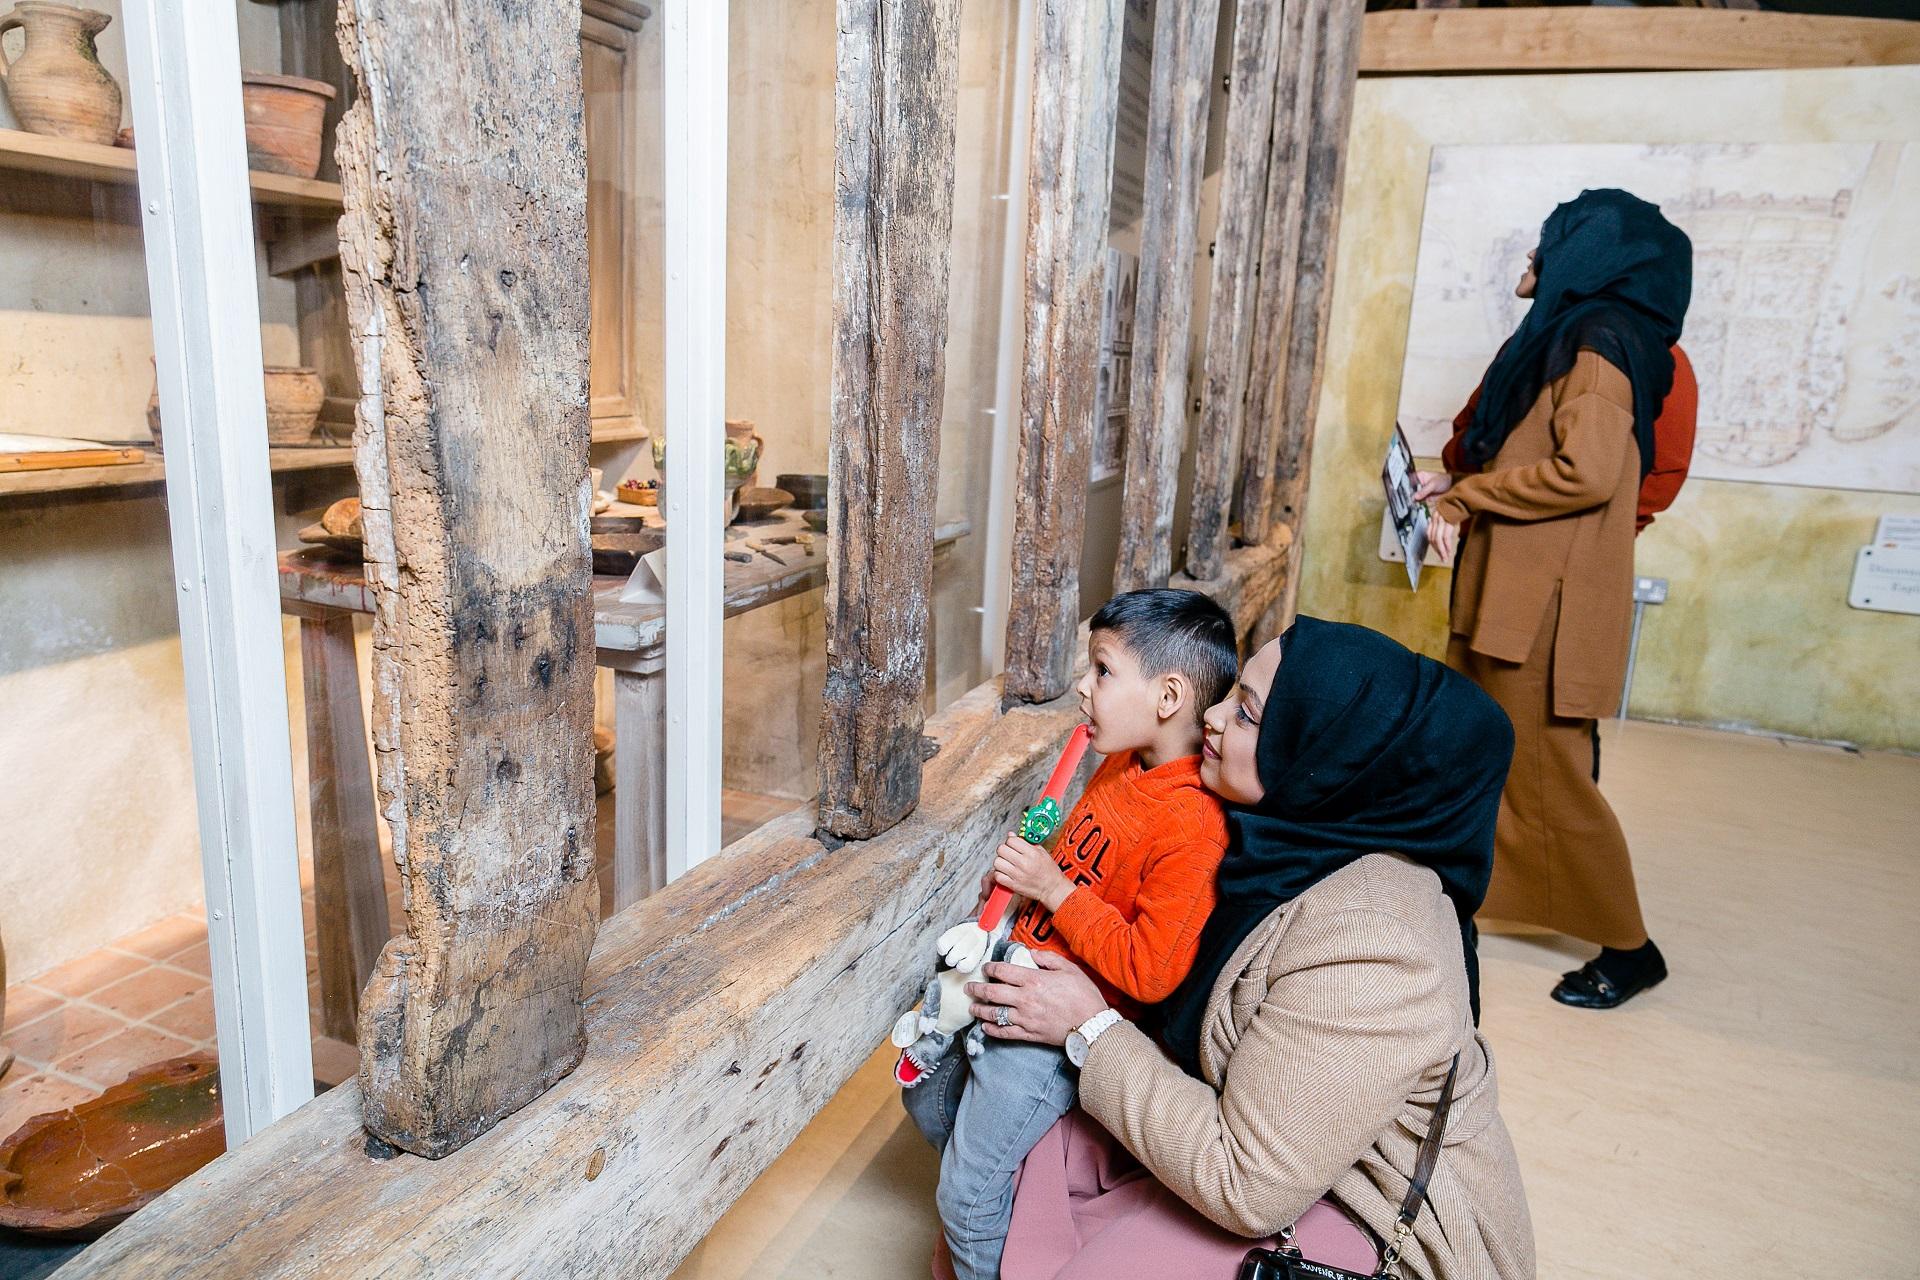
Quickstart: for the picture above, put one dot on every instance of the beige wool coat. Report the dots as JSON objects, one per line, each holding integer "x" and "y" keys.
{"x": 1325, "y": 1046}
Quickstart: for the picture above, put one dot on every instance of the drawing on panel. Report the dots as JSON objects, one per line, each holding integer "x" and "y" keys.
{"x": 1805, "y": 323}
{"x": 1115, "y": 386}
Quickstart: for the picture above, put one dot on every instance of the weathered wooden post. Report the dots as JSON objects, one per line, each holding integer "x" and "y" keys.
{"x": 1178, "y": 102}
{"x": 897, "y": 85}
{"x": 1313, "y": 109}
{"x": 465, "y": 249}
{"x": 1334, "y": 71}
{"x": 1075, "y": 85}
{"x": 1230, "y": 308}
{"x": 1285, "y": 208}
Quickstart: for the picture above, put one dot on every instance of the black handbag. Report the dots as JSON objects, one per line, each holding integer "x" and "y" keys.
{"x": 1287, "y": 1263}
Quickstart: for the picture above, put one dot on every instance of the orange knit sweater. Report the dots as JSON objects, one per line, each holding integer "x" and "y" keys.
{"x": 1142, "y": 846}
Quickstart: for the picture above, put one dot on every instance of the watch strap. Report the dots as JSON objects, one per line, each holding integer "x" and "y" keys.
{"x": 1091, "y": 1029}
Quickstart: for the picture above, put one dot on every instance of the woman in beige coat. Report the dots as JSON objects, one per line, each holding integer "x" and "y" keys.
{"x": 1334, "y": 990}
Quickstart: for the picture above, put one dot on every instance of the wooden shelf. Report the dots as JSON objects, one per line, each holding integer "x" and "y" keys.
{"x": 151, "y": 474}
{"x": 1430, "y": 41}
{"x": 37, "y": 153}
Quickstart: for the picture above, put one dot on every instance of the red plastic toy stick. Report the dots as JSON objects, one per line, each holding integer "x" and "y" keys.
{"x": 1046, "y": 811}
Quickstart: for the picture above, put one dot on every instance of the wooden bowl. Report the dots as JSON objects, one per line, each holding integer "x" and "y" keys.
{"x": 758, "y": 504}
{"x": 340, "y": 529}
{"x": 615, "y": 554}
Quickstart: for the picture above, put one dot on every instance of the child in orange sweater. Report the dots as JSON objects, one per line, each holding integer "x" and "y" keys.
{"x": 1124, "y": 893}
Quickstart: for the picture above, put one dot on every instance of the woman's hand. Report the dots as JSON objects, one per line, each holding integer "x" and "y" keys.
{"x": 1042, "y": 1004}
{"x": 1029, "y": 871}
{"x": 1444, "y": 538}
{"x": 1430, "y": 484}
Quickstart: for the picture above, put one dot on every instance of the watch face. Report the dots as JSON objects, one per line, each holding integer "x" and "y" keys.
{"x": 1077, "y": 1048}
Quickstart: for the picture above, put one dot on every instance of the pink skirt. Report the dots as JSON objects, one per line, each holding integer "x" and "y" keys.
{"x": 1085, "y": 1209}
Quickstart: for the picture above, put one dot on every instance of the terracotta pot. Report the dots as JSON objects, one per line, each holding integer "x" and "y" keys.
{"x": 294, "y": 397}
{"x": 284, "y": 118}
{"x": 57, "y": 85}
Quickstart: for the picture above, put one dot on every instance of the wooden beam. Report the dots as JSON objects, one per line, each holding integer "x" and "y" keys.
{"x": 1325, "y": 165}
{"x": 722, "y": 1013}
{"x": 349, "y": 892}
{"x": 1422, "y": 42}
{"x": 464, "y": 248}
{"x": 1076, "y": 83}
{"x": 1236, "y": 245}
{"x": 897, "y": 86}
{"x": 1303, "y": 25}
{"x": 1177, "y": 107}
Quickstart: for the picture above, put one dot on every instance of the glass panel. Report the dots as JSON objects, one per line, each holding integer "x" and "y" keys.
{"x": 780, "y": 220}
{"x": 100, "y": 873}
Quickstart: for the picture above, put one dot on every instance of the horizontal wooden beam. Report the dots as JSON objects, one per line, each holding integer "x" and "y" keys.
{"x": 722, "y": 1013}
{"x": 1424, "y": 41}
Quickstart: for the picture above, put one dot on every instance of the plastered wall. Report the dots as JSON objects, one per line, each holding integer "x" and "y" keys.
{"x": 1757, "y": 632}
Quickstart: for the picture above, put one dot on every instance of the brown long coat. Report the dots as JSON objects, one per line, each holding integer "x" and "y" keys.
{"x": 1324, "y": 1048}
{"x": 1542, "y": 620}
{"x": 1554, "y": 516}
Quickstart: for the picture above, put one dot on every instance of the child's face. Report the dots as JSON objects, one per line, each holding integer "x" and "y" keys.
{"x": 1121, "y": 702}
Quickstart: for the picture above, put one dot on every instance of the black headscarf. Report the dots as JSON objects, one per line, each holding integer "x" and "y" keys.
{"x": 1364, "y": 747}
{"x": 1615, "y": 278}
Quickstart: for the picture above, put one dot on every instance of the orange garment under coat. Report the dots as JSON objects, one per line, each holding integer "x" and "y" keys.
{"x": 1143, "y": 848}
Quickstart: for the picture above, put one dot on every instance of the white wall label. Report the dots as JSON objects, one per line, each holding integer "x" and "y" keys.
{"x": 1886, "y": 580}
{"x": 1898, "y": 531}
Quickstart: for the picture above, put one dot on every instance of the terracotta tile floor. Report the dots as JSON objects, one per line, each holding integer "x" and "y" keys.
{"x": 81, "y": 1028}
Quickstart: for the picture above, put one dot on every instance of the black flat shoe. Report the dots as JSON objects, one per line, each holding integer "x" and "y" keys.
{"x": 1625, "y": 975}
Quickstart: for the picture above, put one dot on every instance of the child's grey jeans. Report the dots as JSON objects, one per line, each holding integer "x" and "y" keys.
{"x": 983, "y": 1115}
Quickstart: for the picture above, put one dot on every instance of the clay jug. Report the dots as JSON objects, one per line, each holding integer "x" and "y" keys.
{"x": 57, "y": 85}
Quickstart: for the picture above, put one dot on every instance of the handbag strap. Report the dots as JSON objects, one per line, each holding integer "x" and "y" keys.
{"x": 1422, "y": 1172}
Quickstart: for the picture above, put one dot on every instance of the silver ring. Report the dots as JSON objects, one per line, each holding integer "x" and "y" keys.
{"x": 1003, "y": 1015}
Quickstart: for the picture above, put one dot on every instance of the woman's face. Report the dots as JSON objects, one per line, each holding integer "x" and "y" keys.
{"x": 1530, "y": 279}
{"x": 1229, "y": 752}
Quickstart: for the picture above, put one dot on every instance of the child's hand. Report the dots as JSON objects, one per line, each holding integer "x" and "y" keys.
{"x": 1028, "y": 870}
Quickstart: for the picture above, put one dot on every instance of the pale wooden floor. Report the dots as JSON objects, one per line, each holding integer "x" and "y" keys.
{"x": 1757, "y": 1113}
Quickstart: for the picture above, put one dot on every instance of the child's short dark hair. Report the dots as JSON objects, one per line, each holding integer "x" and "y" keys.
{"x": 1181, "y": 631}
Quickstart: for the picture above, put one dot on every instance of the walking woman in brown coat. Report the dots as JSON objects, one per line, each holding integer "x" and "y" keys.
{"x": 1547, "y": 488}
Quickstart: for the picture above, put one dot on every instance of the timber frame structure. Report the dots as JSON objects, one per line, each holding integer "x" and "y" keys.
{"x": 720, "y": 1013}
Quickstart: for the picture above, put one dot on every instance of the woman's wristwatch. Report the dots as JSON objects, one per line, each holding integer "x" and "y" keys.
{"x": 1081, "y": 1038}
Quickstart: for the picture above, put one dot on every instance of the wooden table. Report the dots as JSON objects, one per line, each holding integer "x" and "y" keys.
{"x": 350, "y": 901}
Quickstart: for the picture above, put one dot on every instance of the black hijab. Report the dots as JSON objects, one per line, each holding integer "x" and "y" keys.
{"x": 1364, "y": 746}
{"x": 1615, "y": 278}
